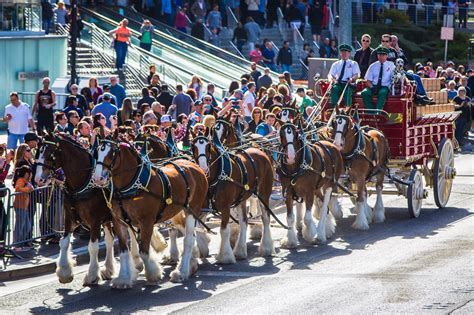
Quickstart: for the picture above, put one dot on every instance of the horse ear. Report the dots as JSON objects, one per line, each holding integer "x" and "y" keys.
{"x": 355, "y": 115}
{"x": 336, "y": 108}
{"x": 208, "y": 132}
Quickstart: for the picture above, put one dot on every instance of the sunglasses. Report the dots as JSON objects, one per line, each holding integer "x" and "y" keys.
{"x": 74, "y": 116}
{"x": 257, "y": 112}
{"x": 102, "y": 118}
{"x": 207, "y": 100}
{"x": 385, "y": 41}
{"x": 28, "y": 150}
{"x": 366, "y": 40}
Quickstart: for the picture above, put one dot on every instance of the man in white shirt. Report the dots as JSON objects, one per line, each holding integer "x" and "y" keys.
{"x": 343, "y": 72}
{"x": 379, "y": 78}
{"x": 18, "y": 116}
{"x": 249, "y": 101}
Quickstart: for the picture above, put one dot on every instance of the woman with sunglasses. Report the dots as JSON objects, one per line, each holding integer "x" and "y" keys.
{"x": 100, "y": 121}
{"x": 362, "y": 55}
{"x": 257, "y": 119}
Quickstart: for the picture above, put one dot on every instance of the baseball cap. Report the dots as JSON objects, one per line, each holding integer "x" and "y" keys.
{"x": 106, "y": 96}
{"x": 166, "y": 118}
{"x": 300, "y": 89}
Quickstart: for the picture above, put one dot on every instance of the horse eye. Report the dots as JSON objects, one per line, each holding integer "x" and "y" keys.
{"x": 288, "y": 131}
{"x": 201, "y": 141}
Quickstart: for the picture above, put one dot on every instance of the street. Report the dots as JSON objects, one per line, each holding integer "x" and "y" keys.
{"x": 403, "y": 265}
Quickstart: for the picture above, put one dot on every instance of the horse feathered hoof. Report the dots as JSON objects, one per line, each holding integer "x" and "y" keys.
{"x": 287, "y": 244}
{"x": 176, "y": 277}
{"x": 91, "y": 282}
{"x": 119, "y": 285}
{"x": 107, "y": 274}
{"x": 169, "y": 261}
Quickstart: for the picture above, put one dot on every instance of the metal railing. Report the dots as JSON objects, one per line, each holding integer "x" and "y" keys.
{"x": 236, "y": 49}
{"x": 231, "y": 18}
{"x": 38, "y": 214}
{"x": 331, "y": 23}
{"x": 368, "y": 12}
{"x": 298, "y": 40}
{"x": 282, "y": 24}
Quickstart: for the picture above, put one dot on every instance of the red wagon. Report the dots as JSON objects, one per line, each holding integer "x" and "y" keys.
{"x": 421, "y": 140}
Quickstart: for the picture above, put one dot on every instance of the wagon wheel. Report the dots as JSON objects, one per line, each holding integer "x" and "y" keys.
{"x": 415, "y": 193}
{"x": 443, "y": 172}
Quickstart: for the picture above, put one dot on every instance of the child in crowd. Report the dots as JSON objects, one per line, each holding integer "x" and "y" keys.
{"x": 22, "y": 184}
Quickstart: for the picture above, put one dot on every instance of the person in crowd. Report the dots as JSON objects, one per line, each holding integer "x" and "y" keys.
{"x": 214, "y": 37}
{"x": 294, "y": 16}
{"x": 429, "y": 70}
{"x": 199, "y": 9}
{"x": 61, "y": 14}
{"x": 18, "y": 116}
{"x": 451, "y": 89}
{"x": 192, "y": 94}
{"x": 146, "y": 98}
{"x": 81, "y": 100}
{"x": 47, "y": 14}
{"x": 257, "y": 119}
{"x": 146, "y": 37}
{"x": 165, "y": 98}
{"x": 122, "y": 37}
{"x": 45, "y": 100}
{"x": 157, "y": 110}
{"x": 343, "y": 75}
{"x": 463, "y": 6}
{"x": 315, "y": 18}
{"x": 61, "y": 122}
{"x": 197, "y": 114}
{"x": 333, "y": 49}
{"x": 379, "y": 78}
{"x": 72, "y": 104}
{"x": 255, "y": 55}
{"x": 255, "y": 73}
{"x": 214, "y": 19}
{"x": 5, "y": 161}
{"x": 265, "y": 80}
{"x": 181, "y": 131}
{"x": 155, "y": 91}
{"x": 260, "y": 95}
{"x": 288, "y": 81}
{"x": 151, "y": 72}
{"x": 269, "y": 56}
{"x": 198, "y": 29}
{"x": 23, "y": 186}
{"x": 249, "y": 101}
{"x": 137, "y": 121}
{"x": 166, "y": 13}
{"x": 285, "y": 57}
{"x": 73, "y": 120}
{"x": 83, "y": 133}
{"x": 99, "y": 121}
{"x": 253, "y": 32}
{"x": 461, "y": 70}
{"x": 272, "y": 13}
{"x": 155, "y": 82}
{"x": 125, "y": 113}
{"x": 23, "y": 156}
{"x": 106, "y": 109}
{"x": 117, "y": 90}
{"x": 325, "y": 48}
{"x": 385, "y": 42}
{"x": 240, "y": 36}
{"x": 182, "y": 103}
{"x": 463, "y": 82}
{"x": 210, "y": 93}
{"x": 267, "y": 99}
{"x": 244, "y": 85}
{"x": 234, "y": 85}
{"x": 196, "y": 85}
{"x": 180, "y": 20}
{"x": 267, "y": 128}
{"x": 87, "y": 94}
{"x": 32, "y": 140}
{"x": 398, "y": 51}
{"x": 303, "y": 101}
{"x": 463, "y": 104}
{"x": 362, "y": 55}
{"x": 95, "y": 89}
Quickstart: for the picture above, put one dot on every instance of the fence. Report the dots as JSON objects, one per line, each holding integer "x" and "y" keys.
{"x": 26, "y": 217}
{"x": 370, "y": 12}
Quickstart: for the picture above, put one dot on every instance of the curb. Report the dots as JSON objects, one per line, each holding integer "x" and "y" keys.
{"x": 80, "y": 256}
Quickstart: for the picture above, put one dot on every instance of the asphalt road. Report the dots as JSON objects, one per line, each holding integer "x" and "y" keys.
{"x": 422, "y": 265}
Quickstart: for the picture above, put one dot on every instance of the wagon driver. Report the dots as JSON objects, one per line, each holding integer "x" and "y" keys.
{"x": 379, "y": 78}
{"x": 343, "y": 72}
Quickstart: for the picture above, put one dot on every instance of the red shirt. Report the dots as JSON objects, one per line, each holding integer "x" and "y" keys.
{"x": 255, "y": 55}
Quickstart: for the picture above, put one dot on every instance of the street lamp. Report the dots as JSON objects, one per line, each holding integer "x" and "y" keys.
{"x": 73, "y": 33}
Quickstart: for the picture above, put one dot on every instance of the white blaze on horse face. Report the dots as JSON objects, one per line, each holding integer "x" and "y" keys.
{"x": 100, "y": 173}
{"x": 219, "y": 129}
{"x": 40, "y": 178}
{"x": 290, "y": 148}
{"x": 201, "y": 145}
{"x": 340, "y": 125}
{"x": 285, "y": 115}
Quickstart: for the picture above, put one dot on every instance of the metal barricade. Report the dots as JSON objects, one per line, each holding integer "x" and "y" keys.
{"x": 29, "y": 217}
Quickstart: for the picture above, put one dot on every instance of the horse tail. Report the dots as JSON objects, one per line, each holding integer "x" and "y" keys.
{"x": 158, "y": 241}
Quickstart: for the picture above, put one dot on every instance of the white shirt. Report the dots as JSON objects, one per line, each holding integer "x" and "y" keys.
{"x": 18, "y": 125}
{"x": 248, "y": 98}
{"x": 372, "y": 74}
{"x": 352, "y": 69}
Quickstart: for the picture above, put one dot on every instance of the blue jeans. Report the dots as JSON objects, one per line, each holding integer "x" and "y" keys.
{"x": 46, "y": 23}
{"x": 13, "y": 139}
{"x": 272, "y": 66}
{"x": 22, "y": 224}
{"x": 121, "y": 52}
{"x": 285, "y": 68}
{"x": 420, "y": 89}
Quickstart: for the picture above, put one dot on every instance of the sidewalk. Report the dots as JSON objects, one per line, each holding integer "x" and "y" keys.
{"x": 42, "y": 260}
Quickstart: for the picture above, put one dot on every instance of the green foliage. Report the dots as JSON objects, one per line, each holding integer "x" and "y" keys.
{"x": 396, "y": 16}
{"x": 419, "y": 43}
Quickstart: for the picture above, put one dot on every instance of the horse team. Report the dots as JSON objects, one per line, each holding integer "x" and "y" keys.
{"x": 128, "y": 186}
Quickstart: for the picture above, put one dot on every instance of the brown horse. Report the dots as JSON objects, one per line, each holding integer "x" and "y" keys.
{"x": 157, "y": 150}
{"x": 307, "y": 170}
{"x": 83, "y": 204}
{"x": 365, "y": 154}
{"x": 147, "y": 195}
{"x": 233, "y": 179}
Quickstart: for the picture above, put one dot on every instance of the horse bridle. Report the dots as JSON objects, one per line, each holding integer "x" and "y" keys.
{"x": 114, "y": 148}
{"x": 47, "y": 143}
{"x": 224, "y": 123}
{"x": 204, "y": 155}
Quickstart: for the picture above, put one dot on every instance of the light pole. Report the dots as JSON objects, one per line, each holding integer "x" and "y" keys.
{"x": 73, "y": 33}
{"x": 345, "y": 22}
